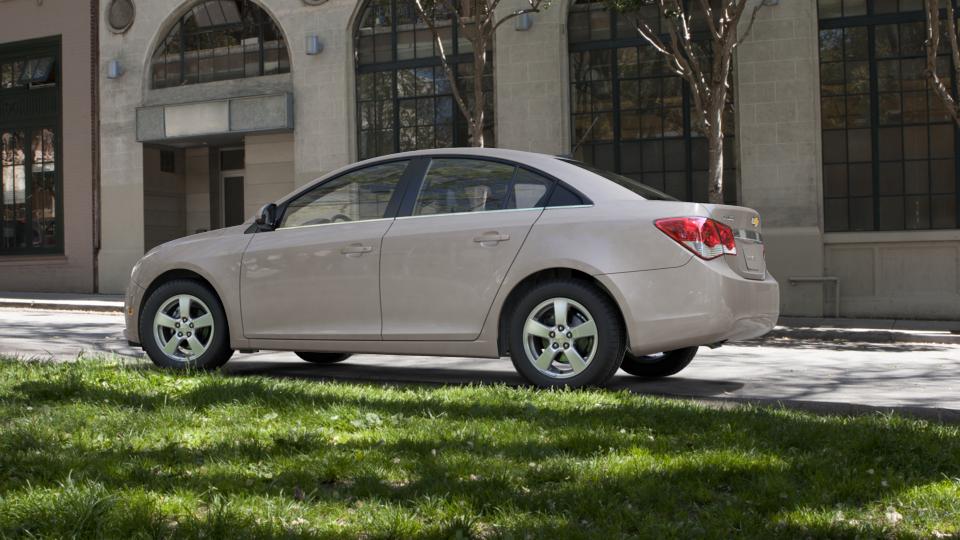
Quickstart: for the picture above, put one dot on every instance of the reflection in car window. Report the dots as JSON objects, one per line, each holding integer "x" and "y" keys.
{"x": 635, "y": 186}
{"x": 355, "y": 196}
{"x": 457, "y": 185}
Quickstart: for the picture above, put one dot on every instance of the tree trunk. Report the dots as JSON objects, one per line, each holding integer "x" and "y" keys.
{"x": 715, "y": 153}
{"x": 479, "y": 65}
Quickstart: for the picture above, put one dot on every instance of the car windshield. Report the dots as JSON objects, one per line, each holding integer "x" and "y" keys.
{"x": 635, "y": 186}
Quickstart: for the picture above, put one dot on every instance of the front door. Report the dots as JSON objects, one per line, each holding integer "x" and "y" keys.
{"x": 443, "y": 264}
{"x": 317, "y": 275}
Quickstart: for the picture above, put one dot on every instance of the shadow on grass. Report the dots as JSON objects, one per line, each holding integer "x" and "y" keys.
{"x": 573, "y": 464}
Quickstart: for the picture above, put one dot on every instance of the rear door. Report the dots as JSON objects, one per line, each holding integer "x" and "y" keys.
{"x": 446, "y": 256}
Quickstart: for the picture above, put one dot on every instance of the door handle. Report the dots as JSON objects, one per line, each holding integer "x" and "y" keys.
{"x": 491, "y": 238}
{"x": 355, "y": 250}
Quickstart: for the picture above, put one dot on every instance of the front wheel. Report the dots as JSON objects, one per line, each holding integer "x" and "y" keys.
{"x": 323, "y": 358}
{"x": 566, "y": 333}
{"x": 658, "y": 365}
{"x": 183, "y": 326}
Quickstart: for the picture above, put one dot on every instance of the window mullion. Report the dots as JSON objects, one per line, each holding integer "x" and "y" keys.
{"x": 874, "y": 123}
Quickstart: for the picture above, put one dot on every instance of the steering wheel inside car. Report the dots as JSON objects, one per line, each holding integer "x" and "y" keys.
{"x": 340, "y": 217}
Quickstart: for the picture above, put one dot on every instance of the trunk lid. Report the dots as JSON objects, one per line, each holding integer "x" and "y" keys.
{"x": 749, "y": 261}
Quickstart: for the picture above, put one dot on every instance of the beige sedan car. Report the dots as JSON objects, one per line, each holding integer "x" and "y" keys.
{"x": 570, "y": 271}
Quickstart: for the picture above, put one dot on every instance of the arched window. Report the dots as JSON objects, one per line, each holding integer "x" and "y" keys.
{"x": 218, "y": 40}
{"x": 404, "y": 100}
{"x": 630, "y": 114}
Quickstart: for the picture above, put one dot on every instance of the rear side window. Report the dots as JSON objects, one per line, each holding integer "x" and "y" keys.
{"x": 456, "y": 186}
{"x": 564, "y": 196}
{"x": 635, "y": 186}
{"x": 529, "y": 190}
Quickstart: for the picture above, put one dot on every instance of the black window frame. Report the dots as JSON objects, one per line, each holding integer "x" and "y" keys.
{"x": 689, "y": 134}
{"x": 24, "y": 50}
{"x": 455, "y": 59}
{"x": 871, "y": 20}
{"x": 262, "y": 20}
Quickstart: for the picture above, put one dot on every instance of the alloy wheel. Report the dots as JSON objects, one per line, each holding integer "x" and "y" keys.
{"x": 560, "y": 338}
{"x": 183, "y": 327}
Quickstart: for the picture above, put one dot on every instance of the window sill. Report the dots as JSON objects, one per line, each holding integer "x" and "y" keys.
{"x": 871, "y": 237}
{"x": 32, "y": 260}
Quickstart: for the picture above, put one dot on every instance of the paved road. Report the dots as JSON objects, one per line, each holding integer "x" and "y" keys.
{"x": 828, "y": 375}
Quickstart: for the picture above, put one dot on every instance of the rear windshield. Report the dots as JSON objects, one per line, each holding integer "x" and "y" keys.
{"x": 635, "y": 186}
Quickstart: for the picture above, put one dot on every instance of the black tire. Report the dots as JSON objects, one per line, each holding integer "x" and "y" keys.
{"x": 218, "y": 349}
{"x": 664, "y": 365}
{"x": 323, "y": 358}
{"x": 610, "y": 340}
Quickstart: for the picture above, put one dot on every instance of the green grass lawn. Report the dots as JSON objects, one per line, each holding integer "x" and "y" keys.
{"x": 105, "y": 449}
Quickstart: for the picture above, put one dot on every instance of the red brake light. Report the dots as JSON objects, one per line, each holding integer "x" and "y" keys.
{"x": 706, "y": 238}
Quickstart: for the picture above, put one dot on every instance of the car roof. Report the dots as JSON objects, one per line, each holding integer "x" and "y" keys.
{"x": 592, "y": 185}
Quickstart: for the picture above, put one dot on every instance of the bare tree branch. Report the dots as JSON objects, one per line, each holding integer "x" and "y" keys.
{"x": 451, "y": 77}
{"x": 933, "y": 47}
{"x": 708, "y": 83}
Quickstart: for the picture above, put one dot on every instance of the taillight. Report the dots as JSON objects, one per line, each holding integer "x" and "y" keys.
{"x": 706, "y": 238}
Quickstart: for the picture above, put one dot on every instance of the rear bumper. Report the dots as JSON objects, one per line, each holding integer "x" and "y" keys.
{"x": 131, "y": 311}
{"x": 699, "y": 303}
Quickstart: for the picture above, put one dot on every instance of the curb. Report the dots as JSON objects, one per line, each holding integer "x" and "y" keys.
{"x": 862, "y": 336}
{"x": 99, "y": 307}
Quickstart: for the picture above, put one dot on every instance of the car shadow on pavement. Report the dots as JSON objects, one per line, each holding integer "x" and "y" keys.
{"x": 357, "y": 371}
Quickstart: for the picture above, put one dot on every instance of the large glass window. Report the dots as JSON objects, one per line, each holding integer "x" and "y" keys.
{"x": 356, "y": 196}
{"x": 404, "y": 99}
{"x": 218, "y": 40}
{"x": 889, "y": 145}
{"x": 30, "y": 187}
{"x": 630, "y": 114}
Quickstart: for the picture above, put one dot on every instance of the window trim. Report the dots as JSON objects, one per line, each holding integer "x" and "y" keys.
{"x": 51, "y": 46}
{"x": 870, "y": 22}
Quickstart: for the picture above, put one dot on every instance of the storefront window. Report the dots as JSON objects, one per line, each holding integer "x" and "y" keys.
{"x": 889, "y": 145}
{"x": 30, "y": 187}
{"x": 218, "y": 40}
{"x": 629, "y": 113}
{"x": 404, "y": 99}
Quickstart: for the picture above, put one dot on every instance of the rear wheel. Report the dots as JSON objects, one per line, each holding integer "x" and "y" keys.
{"x": 183, "y": 326}
{"x": 658, "y": 365}
{"x": 566, "y": 333}
{"x": 323, "y": 358}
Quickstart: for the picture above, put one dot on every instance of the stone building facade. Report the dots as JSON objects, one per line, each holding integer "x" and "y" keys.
{"x": 857, "y": 186}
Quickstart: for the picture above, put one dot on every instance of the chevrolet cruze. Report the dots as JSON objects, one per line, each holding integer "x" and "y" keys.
{"x": 570, "y": 271}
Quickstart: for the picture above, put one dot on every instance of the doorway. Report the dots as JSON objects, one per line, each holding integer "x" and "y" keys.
{"x": 232, "y": 186}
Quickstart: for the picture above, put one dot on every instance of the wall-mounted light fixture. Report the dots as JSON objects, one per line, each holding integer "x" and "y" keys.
{"x": 524, "y": 22}
{"x": 114, "y": 69}
{"x": 314, "y": 46}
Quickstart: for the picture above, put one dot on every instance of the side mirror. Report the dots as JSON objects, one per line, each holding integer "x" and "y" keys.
{"x": 267, "y": 219}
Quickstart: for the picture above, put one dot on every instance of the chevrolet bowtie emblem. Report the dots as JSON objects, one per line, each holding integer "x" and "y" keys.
{"x": 755, "y": 221}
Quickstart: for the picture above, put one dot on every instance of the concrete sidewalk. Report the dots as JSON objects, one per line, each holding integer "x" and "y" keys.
{"x": 109, "y": 303}
{"x": 792, "y": 328}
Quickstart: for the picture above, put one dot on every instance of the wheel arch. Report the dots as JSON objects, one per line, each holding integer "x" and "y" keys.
{"x": 547, "y": 274}
{"x": 174, "y": 274}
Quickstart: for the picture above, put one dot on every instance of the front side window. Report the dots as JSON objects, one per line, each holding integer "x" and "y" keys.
{"x": 218, "y": 40}
{"x": 355, "y": 196}
{"x": 457, "y": 185}
{"x": 889, "y": 145}
{"x": 404, "y": 98}
{"x": 30, "y": 187}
